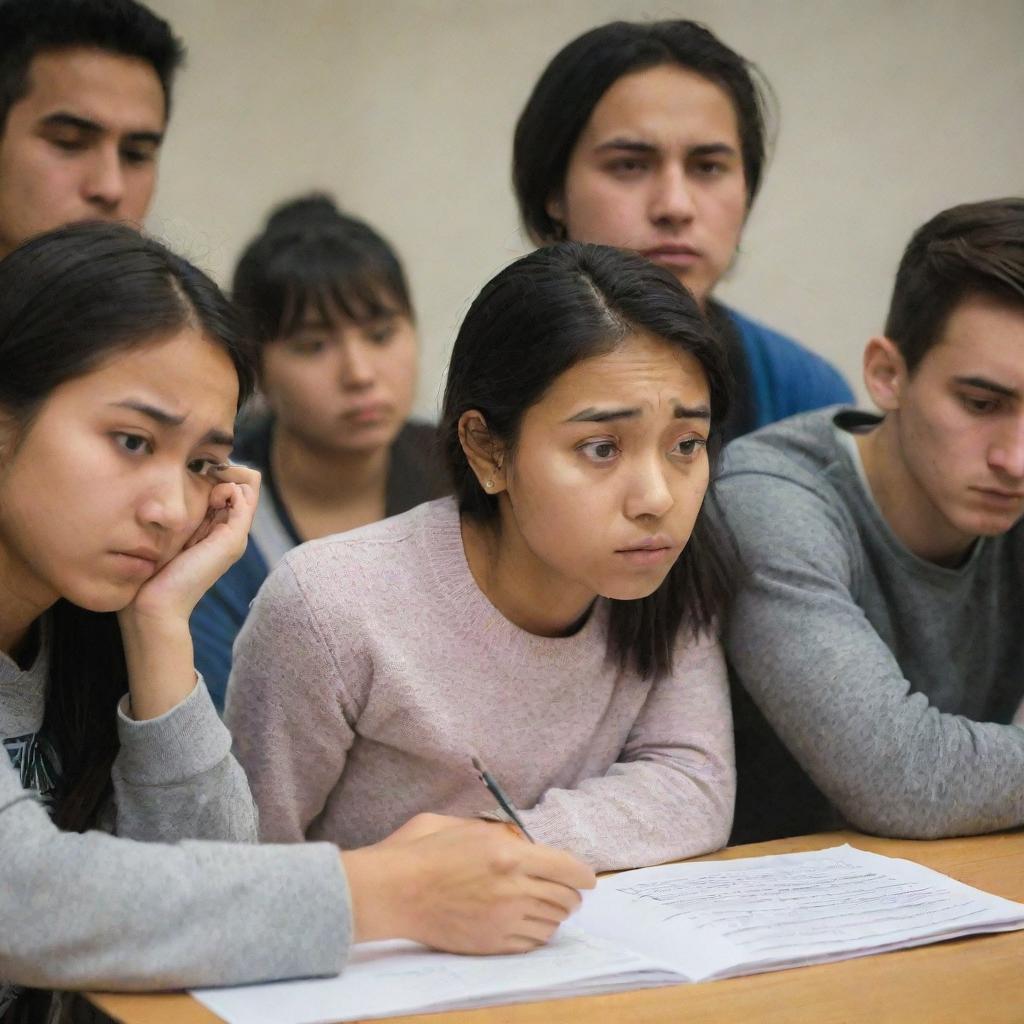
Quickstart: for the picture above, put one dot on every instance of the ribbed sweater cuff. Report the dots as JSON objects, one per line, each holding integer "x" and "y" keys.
{"x": 320, "y": 892}
{"x": 178, "y": 745}
{"x": 544, "y": 828}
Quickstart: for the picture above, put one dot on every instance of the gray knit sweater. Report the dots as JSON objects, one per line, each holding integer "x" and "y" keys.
{"x": 133, "y": 912}
{"x": 890, "y": 681}
{"x": 373, "y": 665}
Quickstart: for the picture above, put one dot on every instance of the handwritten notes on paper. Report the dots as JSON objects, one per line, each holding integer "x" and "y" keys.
{"x": 739, "y": 917}
{"x": 656, "y": 926}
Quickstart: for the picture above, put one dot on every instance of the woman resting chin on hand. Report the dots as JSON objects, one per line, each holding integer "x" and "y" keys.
{"x": 118, "y": 509}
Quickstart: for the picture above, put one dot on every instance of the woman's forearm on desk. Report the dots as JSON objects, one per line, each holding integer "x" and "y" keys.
{"x": 671, "y": 793}
{"x": 95, "y": 911}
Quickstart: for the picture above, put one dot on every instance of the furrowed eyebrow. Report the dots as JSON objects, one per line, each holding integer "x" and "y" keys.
{"x": 148, "y": 138}
{"x": 700, "y": 412}
{"x": 593, "y": 415}
{"x": 166, "y": 419}
{"x": 984, "y": 384}
{"x": 713, "y": 149}
{"x": 630, "y": 145}
{"x": 679, "y": 412}
{"x": 623, "y": 144}
{"x": 62, "y": 119}
{"x": 218, "y": 437}
{"x": 65, "y": 120}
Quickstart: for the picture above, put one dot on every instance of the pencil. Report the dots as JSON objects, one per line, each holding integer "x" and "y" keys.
{"x": 503, "y": 801}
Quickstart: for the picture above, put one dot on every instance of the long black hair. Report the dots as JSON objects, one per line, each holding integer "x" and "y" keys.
{"x": 586, "y": 68}
{"x": 537, "y": 318}
{"x": 69, "y": 300}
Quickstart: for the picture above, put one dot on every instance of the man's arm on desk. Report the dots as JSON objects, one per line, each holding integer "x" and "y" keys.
{"x": 830, "y": 687}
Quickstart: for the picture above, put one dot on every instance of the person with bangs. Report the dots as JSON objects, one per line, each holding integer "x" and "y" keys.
{"x": 327, "y": 299}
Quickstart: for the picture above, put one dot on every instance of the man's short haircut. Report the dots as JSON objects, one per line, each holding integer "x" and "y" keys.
{"x": 31, "y": 27}
{"x": 583, "y": 71}
{"x": 973, "y": 249}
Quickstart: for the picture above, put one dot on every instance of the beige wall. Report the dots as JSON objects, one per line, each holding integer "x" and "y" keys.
{"x": 404, "y": 109}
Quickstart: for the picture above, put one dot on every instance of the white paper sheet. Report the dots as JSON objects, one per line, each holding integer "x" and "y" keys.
{"x": 392, "y": 978}
{"x": 739, "y": 917}
{"x": 655, "y": 926}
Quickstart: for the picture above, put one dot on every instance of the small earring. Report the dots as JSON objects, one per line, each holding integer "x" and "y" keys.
{"x": 489, "y": 484}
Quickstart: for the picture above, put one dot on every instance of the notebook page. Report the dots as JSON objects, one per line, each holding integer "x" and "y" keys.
{"x": 766, "y": 913}
{"x": 389, "y": 978}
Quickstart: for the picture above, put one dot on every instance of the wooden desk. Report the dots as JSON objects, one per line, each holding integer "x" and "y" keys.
{"x": 964, "y": 981}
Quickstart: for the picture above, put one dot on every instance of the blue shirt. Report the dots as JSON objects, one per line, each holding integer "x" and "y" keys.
{"x": 785, "y": 377}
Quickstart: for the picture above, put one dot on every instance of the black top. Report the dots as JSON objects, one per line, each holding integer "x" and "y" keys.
{"x": 416, "y": 472}
{"x": 742, "y": 416}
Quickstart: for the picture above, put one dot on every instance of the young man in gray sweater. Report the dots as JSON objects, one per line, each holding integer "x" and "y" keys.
{"x": 876, "y": 642}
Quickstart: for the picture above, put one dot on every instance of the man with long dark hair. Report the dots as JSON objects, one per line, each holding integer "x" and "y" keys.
{"x": 877, "y": 635}
{"x": 653, "y": 136}
{"x": 85, "y": 95}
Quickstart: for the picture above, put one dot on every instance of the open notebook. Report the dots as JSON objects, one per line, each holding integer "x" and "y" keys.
{"x": 655, "y": 926}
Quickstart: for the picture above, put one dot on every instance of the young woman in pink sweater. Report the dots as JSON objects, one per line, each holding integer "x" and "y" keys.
{"x": 555, "y": 619}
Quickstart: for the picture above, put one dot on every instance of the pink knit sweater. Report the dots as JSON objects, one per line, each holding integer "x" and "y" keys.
{"x": 372, "y": 667}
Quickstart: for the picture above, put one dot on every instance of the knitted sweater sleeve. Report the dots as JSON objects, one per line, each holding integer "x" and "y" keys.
{"x": 287, "y": 707}
{"x": 834, "y": 692}
{"x": 670, "y": 794}
{"x": 174, "y": 777}
{"x": 94, "y": 910}
{"x": 98, "y": 911}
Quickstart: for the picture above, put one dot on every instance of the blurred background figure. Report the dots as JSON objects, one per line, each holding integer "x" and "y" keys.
{"x": 652, "y": 137}
{"x": 85, "y": 94}
{"x": 327, "y": 300}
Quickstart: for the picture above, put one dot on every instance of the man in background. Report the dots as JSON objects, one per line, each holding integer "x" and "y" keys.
{"x": 85, "y": 96}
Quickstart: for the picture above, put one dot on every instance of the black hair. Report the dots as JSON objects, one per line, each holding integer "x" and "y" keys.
{"x": 69, "y": 300}
{"x": 582, "y": 72}
{"x": 537, "y": 318}
{"x": 311, "y": 255}
{"x": 973, "y": 249}
{"x": 31, "y": 27}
